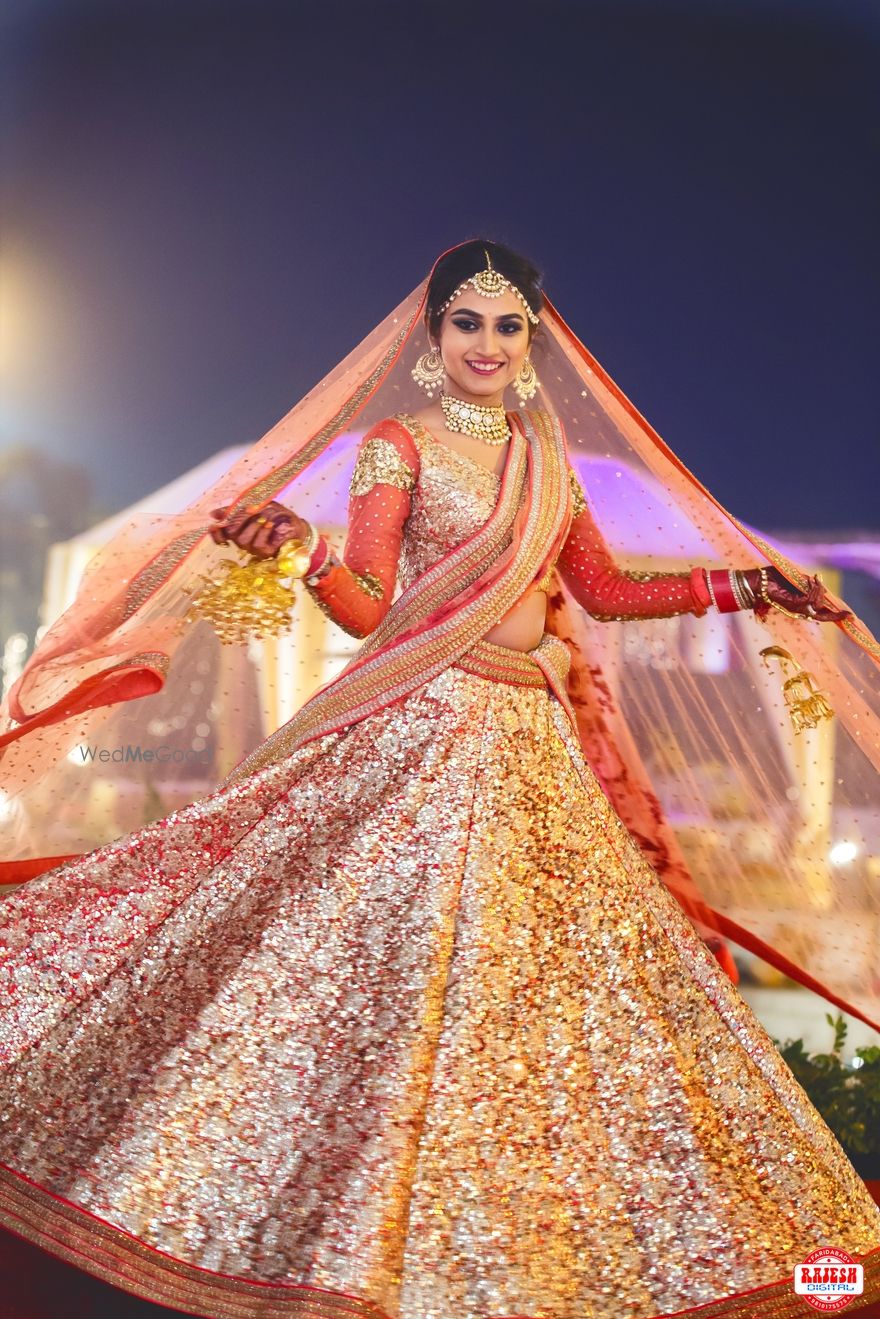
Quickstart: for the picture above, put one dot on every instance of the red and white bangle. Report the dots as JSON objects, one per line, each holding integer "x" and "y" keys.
{"x": 721, "y": 589}
{"x": 320, "y": 563}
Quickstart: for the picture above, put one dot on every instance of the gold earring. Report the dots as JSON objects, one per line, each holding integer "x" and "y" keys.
{"x": 429, "y": 371}
{"x": 526, "y": 381}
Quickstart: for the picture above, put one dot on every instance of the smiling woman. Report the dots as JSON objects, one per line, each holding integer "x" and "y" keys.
{"x": 423, "y": 1009}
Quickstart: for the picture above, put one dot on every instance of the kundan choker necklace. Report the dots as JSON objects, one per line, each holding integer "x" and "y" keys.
{"x": 484, "y": 423}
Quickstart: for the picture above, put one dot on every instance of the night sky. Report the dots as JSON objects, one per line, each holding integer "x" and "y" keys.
{"x": 205, "y": 206}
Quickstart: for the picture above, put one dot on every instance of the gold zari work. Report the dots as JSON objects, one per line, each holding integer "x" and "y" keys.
{"x": 369, "y": 584}
{"x": 578, "y": 500}
{"x": 379, "y": 461}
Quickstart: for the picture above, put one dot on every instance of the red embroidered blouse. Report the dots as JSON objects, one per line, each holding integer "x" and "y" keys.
{"x": 357, "y": 591}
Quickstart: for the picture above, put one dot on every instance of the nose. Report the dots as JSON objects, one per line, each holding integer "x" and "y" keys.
{"x": 489, "y": 342}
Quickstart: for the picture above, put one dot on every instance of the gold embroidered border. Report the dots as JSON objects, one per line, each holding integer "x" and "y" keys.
{"x": 487, "y": 660}
{"x": 545, "y": 666}
{"x": 150, "y": 659}
{"x": 117, "y": 1258}
{"x": 777, "y": 1300}
{"x": 369, "y": 583}
{"x": 122, "y": 1260}
{"x": 150, "y": 578}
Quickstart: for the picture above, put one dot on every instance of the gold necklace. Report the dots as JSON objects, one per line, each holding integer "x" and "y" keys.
{"x": 484, "y": 423}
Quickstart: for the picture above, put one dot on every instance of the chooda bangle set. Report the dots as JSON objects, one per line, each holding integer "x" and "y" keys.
{"x": 729, "y": 590}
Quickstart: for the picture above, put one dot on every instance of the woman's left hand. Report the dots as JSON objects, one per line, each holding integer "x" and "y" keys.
{"x": 812, "y": 604}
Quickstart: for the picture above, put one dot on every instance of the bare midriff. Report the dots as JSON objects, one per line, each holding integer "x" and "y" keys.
{"x": 522, "y": 627}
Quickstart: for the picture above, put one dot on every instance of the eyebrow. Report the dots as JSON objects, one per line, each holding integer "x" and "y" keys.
{"x": 478, "y": 316}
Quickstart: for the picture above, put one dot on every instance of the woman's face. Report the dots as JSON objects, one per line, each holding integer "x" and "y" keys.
{"x": 483, "y": 342}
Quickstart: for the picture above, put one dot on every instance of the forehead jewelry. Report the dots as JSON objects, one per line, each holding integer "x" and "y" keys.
{"x": 491, "y": 283}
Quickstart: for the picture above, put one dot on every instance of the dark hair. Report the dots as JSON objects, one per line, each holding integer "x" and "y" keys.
{"x": 462, "y": 262}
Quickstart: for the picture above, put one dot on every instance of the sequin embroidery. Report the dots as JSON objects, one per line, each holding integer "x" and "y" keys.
{"x": 379, "y": 461}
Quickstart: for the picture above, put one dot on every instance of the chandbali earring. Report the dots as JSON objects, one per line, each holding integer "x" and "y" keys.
{"x": 429, "y": 371}
{"x": 526, "y": 381}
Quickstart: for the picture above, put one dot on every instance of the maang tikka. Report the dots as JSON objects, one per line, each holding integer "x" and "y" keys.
{"x": 491, "y": 283}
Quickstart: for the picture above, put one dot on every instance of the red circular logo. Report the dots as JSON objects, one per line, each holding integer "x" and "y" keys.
{"x": 829, "y": 1279}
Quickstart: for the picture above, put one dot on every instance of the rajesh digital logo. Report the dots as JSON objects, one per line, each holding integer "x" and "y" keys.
{"x": 829, "y": 1279}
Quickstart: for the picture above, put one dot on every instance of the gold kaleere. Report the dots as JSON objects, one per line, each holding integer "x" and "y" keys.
{"x": 806, "y": 705}
{"x": 251, "y": 600}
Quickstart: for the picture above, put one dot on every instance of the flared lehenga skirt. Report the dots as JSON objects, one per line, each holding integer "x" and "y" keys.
{"x": 404, "y": 1025}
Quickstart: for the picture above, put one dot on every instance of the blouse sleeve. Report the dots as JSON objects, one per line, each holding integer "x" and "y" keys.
{"x": 357, "y": 591}
{"x": 610, "y": 594}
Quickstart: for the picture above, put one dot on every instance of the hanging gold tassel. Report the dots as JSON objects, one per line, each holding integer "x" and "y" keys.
{"x": 806, "y": 705}
{"x": 253, "y": 599}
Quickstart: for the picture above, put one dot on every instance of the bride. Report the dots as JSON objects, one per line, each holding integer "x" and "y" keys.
{"x": 403, "y": 1019}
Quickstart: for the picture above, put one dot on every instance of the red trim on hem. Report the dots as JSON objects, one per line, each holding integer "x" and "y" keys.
{"x": 275, "y": 1288}
{"x": 871, "y": 1257}
{"x": 19, "y": 872}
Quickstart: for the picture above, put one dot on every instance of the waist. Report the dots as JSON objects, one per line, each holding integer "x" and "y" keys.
{"x": 523, "y": 668}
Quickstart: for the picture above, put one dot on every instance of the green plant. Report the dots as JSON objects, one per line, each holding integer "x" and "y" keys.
{"x": 847, "y": 1097}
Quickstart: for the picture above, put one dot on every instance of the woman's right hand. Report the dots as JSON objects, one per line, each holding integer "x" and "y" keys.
{"x": 261, "y": 534}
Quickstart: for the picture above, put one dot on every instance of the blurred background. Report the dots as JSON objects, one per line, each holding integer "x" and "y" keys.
{"x": 206, "y": 205}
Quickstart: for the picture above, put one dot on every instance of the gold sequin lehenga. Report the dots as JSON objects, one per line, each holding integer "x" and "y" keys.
{"x": 400, "y": 1023}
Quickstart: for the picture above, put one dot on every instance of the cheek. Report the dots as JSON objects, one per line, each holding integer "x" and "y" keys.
{"x": 454, "y": 346}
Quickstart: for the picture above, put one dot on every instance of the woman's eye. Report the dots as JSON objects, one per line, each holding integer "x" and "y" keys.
{"x": 509, "y": 329}
{"x": 464, "y": 325}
